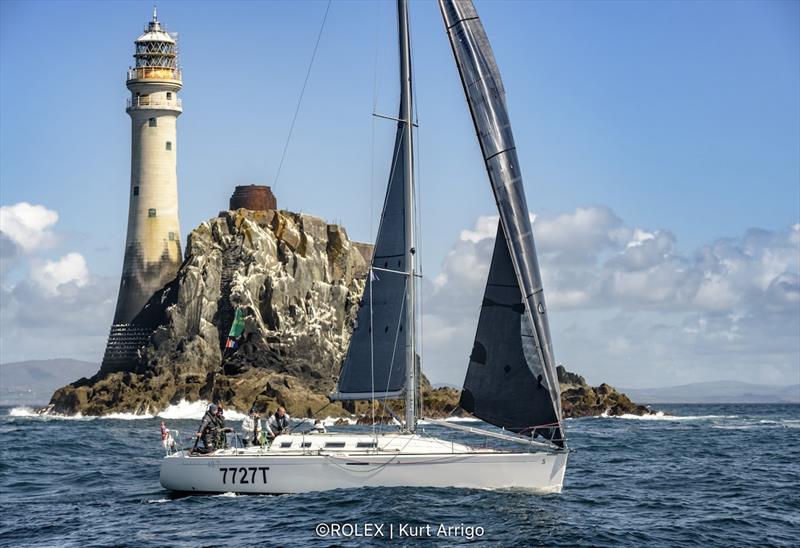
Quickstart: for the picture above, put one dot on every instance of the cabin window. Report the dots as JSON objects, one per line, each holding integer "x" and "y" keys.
{"x": 169, "y": 145}
{"x": 285, "y": 444}
{"x": 306, "y": 444}
{"x": 151, "y": 212}
{"x": 152, "y": 122}
{"x": 366, "y": 444}
{"x": 171, "y": 236}
{"x": 334, "y": 445}
{"x": 136, "y": 191}
{"x": 169, "y": 96}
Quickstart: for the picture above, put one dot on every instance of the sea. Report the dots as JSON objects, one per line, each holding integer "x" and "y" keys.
{"x": 694, "y": 475}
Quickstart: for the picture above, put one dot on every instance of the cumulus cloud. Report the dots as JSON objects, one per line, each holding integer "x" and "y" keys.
{"x": 50, "y": 276}
{"x": 28, "y": 226}
{"x": 628, "y": 307}
{"x": 54, "y": 307}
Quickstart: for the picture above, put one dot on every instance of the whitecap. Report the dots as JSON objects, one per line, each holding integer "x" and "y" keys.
{"x": 27, "y": 412}
{"x": 661, "y": 416}
{"x": 22, "y": 412}
{"x": 181, "y": 410}
{"x": 195, "y": 410}
{"x": 126, "y": 416}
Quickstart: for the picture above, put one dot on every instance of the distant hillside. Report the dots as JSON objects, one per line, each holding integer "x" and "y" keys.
{"x": 33, "y": 382}
{"x": 717, "y": 392}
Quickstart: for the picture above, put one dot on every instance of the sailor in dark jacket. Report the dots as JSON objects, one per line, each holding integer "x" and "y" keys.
{"x": 208, "y": 430}
{"x": 222, "y": 439}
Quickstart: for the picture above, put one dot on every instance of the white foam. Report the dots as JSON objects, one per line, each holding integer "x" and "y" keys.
{"x": 181, "y": 410}
{"x": 22, "y": 412}
{"x": 661, "y": 416}
{"x": 195, "y": 410}
{"x": 126, "y": 416}
{"x": 185, "y": 410}
{"x": 331, "y": 421}
{"x": 27, "y": 412}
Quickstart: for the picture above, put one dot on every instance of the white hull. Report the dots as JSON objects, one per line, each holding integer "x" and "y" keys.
{"x": 422, "y": 464}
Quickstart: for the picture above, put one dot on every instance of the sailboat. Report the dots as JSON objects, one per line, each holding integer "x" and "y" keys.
{"x": 511, "y": 381}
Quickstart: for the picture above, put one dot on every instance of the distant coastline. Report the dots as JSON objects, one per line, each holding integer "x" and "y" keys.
{"x": 717, "y": 392}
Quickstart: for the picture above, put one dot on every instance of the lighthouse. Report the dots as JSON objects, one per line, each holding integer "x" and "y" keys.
{"x": 152, "y": 246}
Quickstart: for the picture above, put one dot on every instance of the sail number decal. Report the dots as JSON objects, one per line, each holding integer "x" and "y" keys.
{"x": 243, "y": 475}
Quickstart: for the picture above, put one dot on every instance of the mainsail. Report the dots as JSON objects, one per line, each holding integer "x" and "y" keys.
{"x": 381, "y": 347}
{"x": 511, "y": 381}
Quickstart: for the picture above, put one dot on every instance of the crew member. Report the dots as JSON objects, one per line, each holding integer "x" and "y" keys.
{"x": 222, "y": 439}
{"x": 278, "y": 423}
{"x": 251, "y": 425}
{"x": 207, "y": 433}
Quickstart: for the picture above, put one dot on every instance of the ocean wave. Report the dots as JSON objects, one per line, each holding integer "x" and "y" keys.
{"x": 661, "y": 416}
{"x": 22, "y": 412}
{"x": 195, "y": 410}
{"x": 180, "y": 410}
{"x": 30, "y": 413}
{"x": 761, "y": 424}
{"x": 126, "y": 416}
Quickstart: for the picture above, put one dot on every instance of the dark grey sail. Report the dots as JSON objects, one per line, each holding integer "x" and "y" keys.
{"x": 504, "y": 384}
{"x": 486, "y": 98}
{"x": 385, "y": 305}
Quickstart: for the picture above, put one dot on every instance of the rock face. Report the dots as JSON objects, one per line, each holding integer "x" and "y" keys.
{"x": 297, "y": 281}
{"x": 578, "y": 399}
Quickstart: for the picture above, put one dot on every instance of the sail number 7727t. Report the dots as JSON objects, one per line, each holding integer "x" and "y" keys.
{"x": 244, "y": 474}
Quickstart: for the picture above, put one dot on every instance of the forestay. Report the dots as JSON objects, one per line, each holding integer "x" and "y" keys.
{"x": 511, "y": 381}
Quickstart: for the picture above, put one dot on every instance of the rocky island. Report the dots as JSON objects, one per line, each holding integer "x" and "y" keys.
{"x": 294, "y": 282}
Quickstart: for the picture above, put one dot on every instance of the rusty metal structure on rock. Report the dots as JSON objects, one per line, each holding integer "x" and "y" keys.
{"x": 253, "y": 197}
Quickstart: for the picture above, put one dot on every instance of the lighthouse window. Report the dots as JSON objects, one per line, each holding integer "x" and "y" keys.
{"x": 171, "y": 236}
{"x": 136, "y": 191}
{"x": 152, "y": 122}
{"x": 169, "y": 145}
{"x": 169, "y": 96}
{"x": 151, "y": 212}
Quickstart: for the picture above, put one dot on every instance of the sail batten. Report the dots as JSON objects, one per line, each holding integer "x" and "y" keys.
{"x": 528, "y": 335}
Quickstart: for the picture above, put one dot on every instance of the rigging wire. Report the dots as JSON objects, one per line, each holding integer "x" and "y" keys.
{"x": 372, "y": 212}
{"x": 302, "y": 93}
{"x": 375, "y": 94}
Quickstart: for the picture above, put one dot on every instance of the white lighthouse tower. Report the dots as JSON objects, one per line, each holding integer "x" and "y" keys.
{"x": 152, "y": 247}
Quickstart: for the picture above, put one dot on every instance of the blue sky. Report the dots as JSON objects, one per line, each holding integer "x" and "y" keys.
{"x": 678, "y": 118}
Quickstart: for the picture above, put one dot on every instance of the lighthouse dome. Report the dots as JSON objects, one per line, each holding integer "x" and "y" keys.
{"x": 156, "y": 54}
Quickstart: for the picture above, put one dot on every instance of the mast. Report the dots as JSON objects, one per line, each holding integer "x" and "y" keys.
{"x": 406, "y": 111}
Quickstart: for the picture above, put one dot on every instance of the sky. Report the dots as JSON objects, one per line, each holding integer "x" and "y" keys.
{"x": 659, "y": 142}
